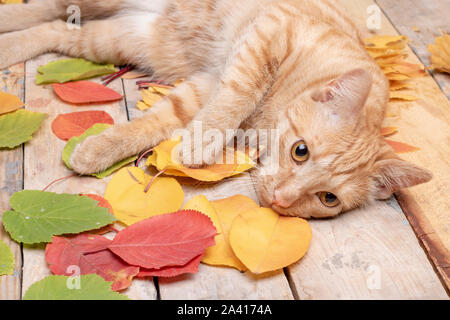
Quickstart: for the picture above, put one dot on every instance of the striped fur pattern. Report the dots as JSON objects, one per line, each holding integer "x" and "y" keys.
{"x": 295, "y": 65}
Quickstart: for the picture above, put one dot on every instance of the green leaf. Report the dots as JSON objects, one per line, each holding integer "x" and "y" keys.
{"x": 91, "y": 287}
{"x": 96, "y": 129}
{"x": 39, "y": 215}
{"x": 6, "y": 259}
{"x": 115, "y": 167}
{"x": 18, "y": 127}
{"x": 65, "y": 70}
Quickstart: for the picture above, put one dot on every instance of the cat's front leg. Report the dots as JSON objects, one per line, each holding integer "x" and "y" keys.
{"x": 121, "y": 141}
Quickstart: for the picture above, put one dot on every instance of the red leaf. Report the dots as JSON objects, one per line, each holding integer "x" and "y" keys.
{"x": 110, "y": 267}
{"x": 171, "y": 239}
{"x": 66, "y": 126}
{"x": 63, "y": 252}
{"x": 400, "y": 147}
{"x": 102, "y": 202}
{"x": 83, "y": 92}
{"x": 89, "y": 253}
{"x": 190, "y": 267}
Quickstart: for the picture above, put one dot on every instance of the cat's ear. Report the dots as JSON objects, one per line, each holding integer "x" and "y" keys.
{"x": 346, "y": 95}
{"x": 393, "y": 174}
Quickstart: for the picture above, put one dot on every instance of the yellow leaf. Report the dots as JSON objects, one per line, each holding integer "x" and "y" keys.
{"x": 398, "y": 85}
{"x": 9, "y": 103}
{"x": 163, "y": 158}
{"x": 395, "y": 95}
{"x": 152, "y": 95}
{"x": 11, "y": 1}
{"x": 222, "y": 213}
{"x": 388, "y": 42}
{"x": 440, "y": 53}
{"x": 265, "y": 241}
{"x": 125, "y": 193}
{"x": 387, "y": 131}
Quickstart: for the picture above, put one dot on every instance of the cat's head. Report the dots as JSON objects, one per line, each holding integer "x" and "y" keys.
{"x": 332, "y": 156}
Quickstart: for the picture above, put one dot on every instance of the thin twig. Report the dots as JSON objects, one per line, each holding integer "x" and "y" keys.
{"x": 57, "y": 180}
{"x": 117, "y": 74}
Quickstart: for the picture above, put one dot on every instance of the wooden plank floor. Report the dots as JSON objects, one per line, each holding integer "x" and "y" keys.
{"x": 370, "y": 253}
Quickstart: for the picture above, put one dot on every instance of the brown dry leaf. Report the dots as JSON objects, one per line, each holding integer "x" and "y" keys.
{"x": 133, "y": 75}
{"x": 440, "y": 54}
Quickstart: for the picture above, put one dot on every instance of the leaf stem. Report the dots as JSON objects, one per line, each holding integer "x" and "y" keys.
{"x": 60, "y": 179}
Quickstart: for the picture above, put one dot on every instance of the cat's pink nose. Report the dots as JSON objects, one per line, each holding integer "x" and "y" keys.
{"x": 279, "y": 201}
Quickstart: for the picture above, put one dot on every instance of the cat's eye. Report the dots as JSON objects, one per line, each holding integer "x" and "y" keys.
{"x": 299, "y": 151}
{"x": 328, "y": 199}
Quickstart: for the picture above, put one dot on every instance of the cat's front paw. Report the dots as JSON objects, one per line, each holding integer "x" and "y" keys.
{"x": 93, "y": 155}
{"x": 201, "y": 156}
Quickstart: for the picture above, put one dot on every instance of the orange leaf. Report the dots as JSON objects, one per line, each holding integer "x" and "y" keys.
{"x": 69, "y": 125}
{"x": 9, "y": 102}
{"x": 85, "y": 92}
{"x": 400, "y": 147}
{"x": 387, "y": 131}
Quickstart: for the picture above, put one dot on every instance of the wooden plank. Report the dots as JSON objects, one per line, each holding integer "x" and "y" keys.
{"x": 216, "y": 282}
{"x": 11, "y": 181}
{"x": 371, "y": 253}
{"x": 42, "y": 164}
{"x": 424, "y": 123}
{"x": 421, "y": 21}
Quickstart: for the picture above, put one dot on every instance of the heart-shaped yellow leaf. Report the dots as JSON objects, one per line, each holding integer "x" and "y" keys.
{"x": 130, "y": 203}
{"x": 265, "y": 241}
{"x": 222, "y": 213}
{"x": 163, "y": 158}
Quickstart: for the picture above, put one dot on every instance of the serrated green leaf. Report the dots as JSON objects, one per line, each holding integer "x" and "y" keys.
{"x": 18, "y": 127}
{"x": 39, "y": 215}
{"x": 91, "y": 287}
{"x": 72, "y": 69}
{"x": 96, "y": 129}
{"x": 6, "y": 259}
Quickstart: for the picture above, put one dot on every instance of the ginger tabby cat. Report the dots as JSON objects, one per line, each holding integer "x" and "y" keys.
{"x": 296, "y": 65}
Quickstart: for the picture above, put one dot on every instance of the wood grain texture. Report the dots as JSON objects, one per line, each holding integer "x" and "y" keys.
{"x": 369, "y": 253}
{"x": 424, "y": 123}
{"x": 422, "y": 22}
{"x": 11, "y": 181}
{"x": 43, "y": 164}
